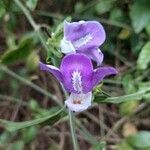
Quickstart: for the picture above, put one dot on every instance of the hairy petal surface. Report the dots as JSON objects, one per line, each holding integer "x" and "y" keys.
{"x": 77, "y": 70}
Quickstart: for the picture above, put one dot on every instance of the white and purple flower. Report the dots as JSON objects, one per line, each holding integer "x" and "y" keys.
{"x": 77, "y": 75}
{"x": 83, "y": 37}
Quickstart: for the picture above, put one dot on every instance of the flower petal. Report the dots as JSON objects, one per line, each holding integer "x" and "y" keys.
{"x": 52, "y": 69}
{"x": 95, "y": 55}
{"x": 84, "y": 34}
{"x": 101, "y": 73}
{"x": 85, "y": 100}
{"x": 77, "y": 67}
{"x": 66, "y": 46}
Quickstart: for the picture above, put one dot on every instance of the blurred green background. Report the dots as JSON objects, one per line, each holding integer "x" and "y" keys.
{"x": 31, "y": 31}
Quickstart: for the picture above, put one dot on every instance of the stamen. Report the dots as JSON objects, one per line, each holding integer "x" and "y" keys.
{"x": 76, "y": 101}
{"x": 82, "y": 41}
{"x": 76, "y": 81}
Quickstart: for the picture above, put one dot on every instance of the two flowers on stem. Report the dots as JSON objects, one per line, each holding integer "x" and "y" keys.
{"x": 80, "y": 43}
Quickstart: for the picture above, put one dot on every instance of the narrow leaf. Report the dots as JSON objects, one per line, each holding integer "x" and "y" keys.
{"x": 13, "y": 126}
{"x": 131, "y": 97}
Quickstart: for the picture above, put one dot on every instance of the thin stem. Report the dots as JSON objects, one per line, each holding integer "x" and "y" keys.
{"x": 72, "y": 128}
{"x": 27, "y": 14}
{"x": 29, "y": 83}
{"x": 49, "y": 14}
{"x": 33, "y": 24}
{"x": 72, "y": 124}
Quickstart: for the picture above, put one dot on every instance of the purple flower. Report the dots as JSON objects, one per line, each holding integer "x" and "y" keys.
{"x": 77, "y": 75}
{"x": 84, "y": 37}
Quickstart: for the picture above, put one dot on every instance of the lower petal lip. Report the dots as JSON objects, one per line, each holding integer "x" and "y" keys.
{"x": 83, "y": 101}
{"x": 77, "y": 65}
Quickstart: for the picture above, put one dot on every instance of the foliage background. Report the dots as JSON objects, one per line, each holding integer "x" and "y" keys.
{"x": 25, "y": 39}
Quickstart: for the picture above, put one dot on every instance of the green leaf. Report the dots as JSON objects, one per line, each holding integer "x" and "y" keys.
{"x": 144, "y": 57}
{"x": 99, "y": 146}
{"x": 116, "y": 100}
{"x": 140, "y": 15}
{"x": 18, "y": 145}
{"x": 20, "y": 53}
{"x": 148, "y": 29}
{"x": 4, "y": 137}
{"x": 2, "y": 12}
{"x": 54, "y": 116}
{"x": 143, "y": 85}
{"x": 32, "y": 62}
{"x": 124, "y": 146}
{"x": 127, "y": 108}
{"x": 141, "y": 140}
{"x": 116, "y": 15}
{"x": 28, "y": 134}
{"x": 33, "y": 105}
{"x": 11, "y": 41}
{"x": 31, "y": 4}
{"x": 136, "y": 44}
{"x": 78, "y": 7}
{"x": 128, "y": 84}
{"x": 104, "y": 6}
{"x": 124, "y": 34}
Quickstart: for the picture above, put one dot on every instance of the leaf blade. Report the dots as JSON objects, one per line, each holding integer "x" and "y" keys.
{"x": 13, "y": 126}
{"x": 144, "y": 57}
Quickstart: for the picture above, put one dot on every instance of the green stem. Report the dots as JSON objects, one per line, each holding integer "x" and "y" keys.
{"x": 33, "y": 24}
{"x": 27, "y": 14}
{"x": 72, "y": 124}
{"x": 72, "y": 128}
{"x": 29, "y": 83}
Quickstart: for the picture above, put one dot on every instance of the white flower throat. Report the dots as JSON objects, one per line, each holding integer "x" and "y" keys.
{"x": 77, "y": 81}
{"x": 82, "y": 41}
